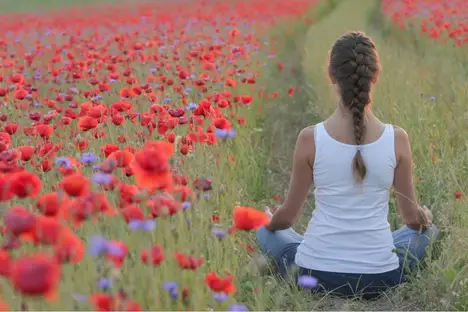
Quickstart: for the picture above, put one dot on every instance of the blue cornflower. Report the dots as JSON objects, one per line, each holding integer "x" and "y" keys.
{"x": 191, "y": 106}
{"x": 99, "y": 246}
{"x": 307, "y": 281}
{"x": 221, "y": 133}
{"x": 105, "y": 283}
{"x": 186, "y": 205}
{"x": 63, "y": 162}
{"x": 80, "y": 297}
{"x": 219, "y": 233}
{"x": 142, "y": 225}
{"x": 102, "y": 178}
{"x": 220, "y": 297}
{"x": 238, "y": 307}
{"x": 172, "y": 288}
{"x": 89, "y": 158}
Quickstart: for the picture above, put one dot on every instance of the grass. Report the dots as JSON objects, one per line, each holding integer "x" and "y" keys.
{"x": 263, "y": 150}
{"x": 412, "y": 74}
{"x": 12, "y": 6}
{"x": 239, "y": 182}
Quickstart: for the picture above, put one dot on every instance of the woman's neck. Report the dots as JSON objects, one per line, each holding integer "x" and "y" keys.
{"x": 344, "y": 114}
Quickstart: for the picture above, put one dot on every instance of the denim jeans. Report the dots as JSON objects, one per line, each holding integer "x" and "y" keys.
{"x": 410, "y": 247}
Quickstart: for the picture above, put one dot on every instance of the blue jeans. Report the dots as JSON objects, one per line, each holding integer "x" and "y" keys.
{"x": 410, "y": 246}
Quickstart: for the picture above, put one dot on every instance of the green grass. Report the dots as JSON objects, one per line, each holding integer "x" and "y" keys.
{"x": 243, "y": 182}
{"x": 412, "y": 73}
{"x": 263, "y": 151}
{"x": 12, "y": 6}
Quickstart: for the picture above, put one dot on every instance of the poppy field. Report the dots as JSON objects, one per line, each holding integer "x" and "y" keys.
{"x": 140, "y": 142}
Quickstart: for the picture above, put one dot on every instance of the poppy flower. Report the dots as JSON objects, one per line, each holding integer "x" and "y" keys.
{"x": 102, "y": 302}
{"x": 151, "y": 166}
{"x": 51, "y": 204}
{"x": 188, "y": 262}
{"x": 75, "y": 185}
{"x": 121, "y": 158}
{"x": 87, "y": 123}
{"x": 35, "y": 275}
{"x": 5, "y": 188}
{"x": 219, "y": 284}
{"x": 19, "y": 221}
{"x": 5, "y": 263}
{"x": 117, "y": 251}
{"x": 25, "y": 184}
{"x": 69, "y": 248}
{"x": 26, "y": 152}
{"x": 155, "y": 255}
{"x": 248, "y": 219}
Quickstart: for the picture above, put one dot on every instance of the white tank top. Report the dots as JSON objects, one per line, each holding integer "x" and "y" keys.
{"x": 349, "y": 230}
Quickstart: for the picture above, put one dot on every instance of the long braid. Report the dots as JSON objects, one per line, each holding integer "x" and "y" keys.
{"x": 354, "y": 64}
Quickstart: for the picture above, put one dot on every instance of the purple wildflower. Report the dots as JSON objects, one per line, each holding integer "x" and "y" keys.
{"x": 219, "y": 233}
{"x": 191, "y": 106}
{"x": 307, "y": 281}
{"x": 80, "y": 297}
{"x": 98, "y": 246}
{"x": 186, "y": 205}
{"x": 220, "y": 297}
{"x": 172, "y": 288}
{"x": 89, "y": 158}
{"x": 221, "y": 133}
{"x": 102, "y": 178}
{"x": 105, "y": 283}
{"x": 169, "y": 286}
{"x": 238, "y": 307}
{"x": 143, "y": 225}
{"x": 114, "y": 250}
{"x": 231, "y": 134}
{"x": 63, "y": 162}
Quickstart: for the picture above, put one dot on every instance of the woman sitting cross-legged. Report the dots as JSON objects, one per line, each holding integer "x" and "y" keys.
{"x": 353, "y": 159}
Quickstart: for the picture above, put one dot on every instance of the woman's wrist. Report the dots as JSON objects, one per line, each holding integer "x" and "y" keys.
{"x": 269, "y": 228}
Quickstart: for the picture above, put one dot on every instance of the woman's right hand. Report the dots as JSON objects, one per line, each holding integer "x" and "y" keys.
{"x": 429, "y": 215}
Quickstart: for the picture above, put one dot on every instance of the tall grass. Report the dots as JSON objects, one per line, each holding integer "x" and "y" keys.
{"x": 422, "y": 89}
{"x": 262, "y": 152}
{"x": 12, "y": 6}
{"x": 238, "y": 171}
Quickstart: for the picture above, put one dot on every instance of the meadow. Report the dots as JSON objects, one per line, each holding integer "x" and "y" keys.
{"x": 138, "y": 141}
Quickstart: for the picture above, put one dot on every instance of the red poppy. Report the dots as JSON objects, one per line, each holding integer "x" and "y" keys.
{"x": 248, "y": 219}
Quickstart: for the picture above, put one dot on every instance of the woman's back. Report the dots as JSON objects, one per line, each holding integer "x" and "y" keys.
{"x": 349, "y": 232}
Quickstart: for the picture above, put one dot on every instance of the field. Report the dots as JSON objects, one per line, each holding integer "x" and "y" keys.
{"x": 133, "y": 133}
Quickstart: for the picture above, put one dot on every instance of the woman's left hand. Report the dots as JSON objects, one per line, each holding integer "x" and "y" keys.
{"x": 268, "y": 212}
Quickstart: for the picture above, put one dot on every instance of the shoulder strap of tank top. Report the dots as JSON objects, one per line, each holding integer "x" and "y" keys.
{"x": 317, "y": 132}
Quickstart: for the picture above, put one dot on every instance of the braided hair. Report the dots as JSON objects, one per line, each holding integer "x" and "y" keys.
{"x": 354, "y": 65}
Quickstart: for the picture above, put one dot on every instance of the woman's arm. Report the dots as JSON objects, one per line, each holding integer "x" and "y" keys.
{"x": 411, "y": 213}
{"x": 299, "y": 185}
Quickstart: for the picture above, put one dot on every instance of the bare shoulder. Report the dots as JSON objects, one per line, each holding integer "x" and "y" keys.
{"x": 307, "y": 135}
{"x": 401, "y": 136}
{"x": 305, "y": 146}
{"x": 402, "y": 145}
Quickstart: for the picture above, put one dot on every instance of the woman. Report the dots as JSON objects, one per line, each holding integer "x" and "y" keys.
{"x": 353, "y": 159}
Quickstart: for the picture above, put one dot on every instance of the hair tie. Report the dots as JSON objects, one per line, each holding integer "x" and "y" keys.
{"x": 359, "y": 148}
